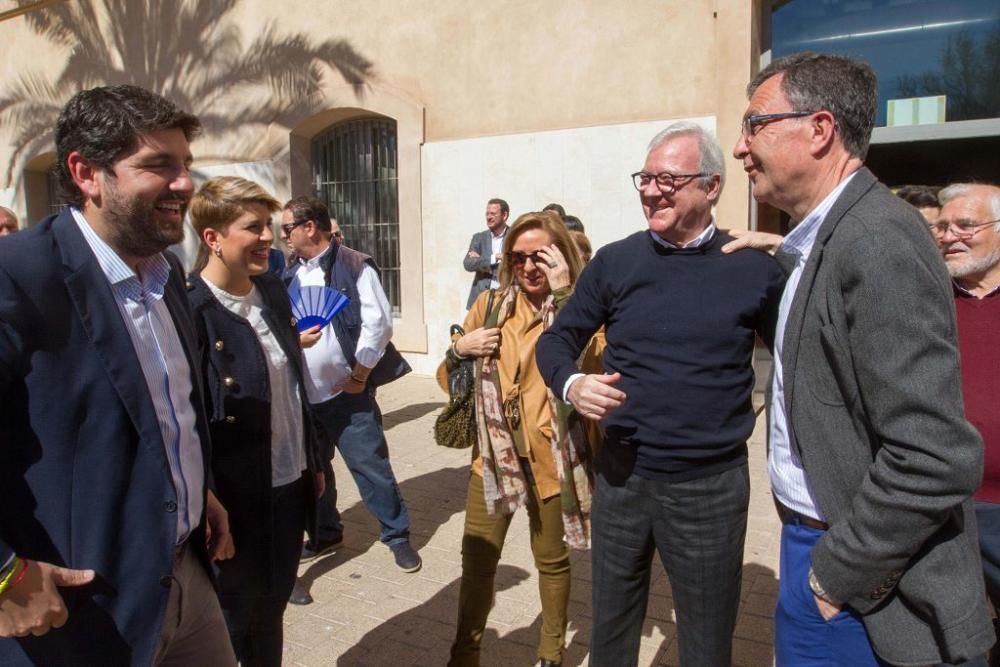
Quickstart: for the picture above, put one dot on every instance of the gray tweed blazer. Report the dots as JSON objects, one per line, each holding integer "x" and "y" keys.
{"x": 873, "y": 391}
{"x": 482, "y": 242}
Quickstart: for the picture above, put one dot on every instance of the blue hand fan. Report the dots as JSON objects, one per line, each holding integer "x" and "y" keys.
{"x": 314, "y": 305}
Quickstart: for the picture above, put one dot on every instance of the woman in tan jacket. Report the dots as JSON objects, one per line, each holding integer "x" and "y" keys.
{"x": 513, "y": 464}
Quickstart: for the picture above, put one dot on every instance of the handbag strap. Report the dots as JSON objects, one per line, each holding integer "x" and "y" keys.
{"x": 491, "y": 316}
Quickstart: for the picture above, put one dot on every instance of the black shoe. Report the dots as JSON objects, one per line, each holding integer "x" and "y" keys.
{"x": 407, "y": 559}
{"x": 300, "y": 595}
{"x": 542, "y": 662}
{"x": 311, "y": 552}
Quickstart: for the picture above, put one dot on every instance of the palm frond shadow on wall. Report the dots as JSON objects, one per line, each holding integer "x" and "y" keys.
{"x": 190, "y": 51}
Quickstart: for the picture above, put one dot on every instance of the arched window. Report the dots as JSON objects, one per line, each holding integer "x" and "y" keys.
{"x": 355, "y": 174}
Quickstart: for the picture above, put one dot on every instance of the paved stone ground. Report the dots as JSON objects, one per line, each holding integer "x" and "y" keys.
{"x": 367, "y": 612}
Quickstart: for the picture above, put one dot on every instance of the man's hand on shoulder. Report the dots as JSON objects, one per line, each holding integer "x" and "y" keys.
{"x": 595, "y": 396}
{"x": 757, "y": 240}
{"x": 33, "y": 605}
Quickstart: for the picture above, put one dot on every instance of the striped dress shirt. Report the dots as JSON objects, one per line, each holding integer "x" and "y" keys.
{"x": 164, "y": 366}
{"x": 788, "y": 479}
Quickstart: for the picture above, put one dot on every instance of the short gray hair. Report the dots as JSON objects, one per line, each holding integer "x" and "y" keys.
{"x": 711, "y": 160}
{"x": 956, "y": 190}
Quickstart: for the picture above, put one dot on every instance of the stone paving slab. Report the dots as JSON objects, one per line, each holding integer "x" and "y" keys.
{"x": 367, "y": 612}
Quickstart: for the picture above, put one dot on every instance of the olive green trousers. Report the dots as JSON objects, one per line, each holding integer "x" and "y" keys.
{"x": 482, "y": 543}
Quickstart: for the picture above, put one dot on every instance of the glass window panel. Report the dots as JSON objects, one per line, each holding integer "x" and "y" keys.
{"x": 919, "y": 48}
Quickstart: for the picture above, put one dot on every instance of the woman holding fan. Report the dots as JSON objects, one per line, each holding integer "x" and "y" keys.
{"x": 263, "y": 447}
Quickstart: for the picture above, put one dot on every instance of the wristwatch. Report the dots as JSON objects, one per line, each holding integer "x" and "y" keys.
{"x": 817, "y": 589}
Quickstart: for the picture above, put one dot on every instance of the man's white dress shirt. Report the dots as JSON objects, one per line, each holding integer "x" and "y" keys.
{"x": 326, "y": 362}
{"x": 788, "y": 479}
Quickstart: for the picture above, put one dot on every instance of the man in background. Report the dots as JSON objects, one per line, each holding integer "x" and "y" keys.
{"x": 486, "y": 250}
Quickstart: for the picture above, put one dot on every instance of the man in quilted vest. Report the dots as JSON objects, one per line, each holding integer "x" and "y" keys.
{"x": 342, "y": 396}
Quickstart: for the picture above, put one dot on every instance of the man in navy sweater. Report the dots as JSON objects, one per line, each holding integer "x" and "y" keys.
{"x": 675, "y": 404}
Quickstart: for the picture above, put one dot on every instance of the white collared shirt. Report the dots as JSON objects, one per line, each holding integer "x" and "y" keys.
{"x": 288, "y": 456}
{"x": 325, "y": 361}
{"x": 496, "y": 245}
{"x": 706, "y": 235}
{"x": 788, "y": 479}
{"x": 164, "y": 366}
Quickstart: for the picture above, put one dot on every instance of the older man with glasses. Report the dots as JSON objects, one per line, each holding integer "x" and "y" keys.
{"x": 675, "y": 404}
{"x": 968, "y": 233}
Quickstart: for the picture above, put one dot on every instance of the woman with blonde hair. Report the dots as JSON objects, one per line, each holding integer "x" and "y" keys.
{"x": 263, "y": 458}
{"x": 515, "y": 462}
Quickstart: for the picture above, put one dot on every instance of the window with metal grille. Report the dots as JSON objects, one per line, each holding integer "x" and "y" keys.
{"x": 354, "y": 174}
{"x": 56, "y": 203}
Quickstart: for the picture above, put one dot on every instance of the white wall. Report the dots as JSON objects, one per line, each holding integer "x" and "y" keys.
{"x": 584, "y": 169}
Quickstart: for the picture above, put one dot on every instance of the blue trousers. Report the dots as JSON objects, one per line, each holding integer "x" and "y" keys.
{"x": 802, "y": 638}
{"x": 353, "y": 423}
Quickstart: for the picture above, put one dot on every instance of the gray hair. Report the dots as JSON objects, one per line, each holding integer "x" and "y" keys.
{"x": 956, "y": 190}
{"x": 711, "y": 160}
{"x": 845, "y": 87}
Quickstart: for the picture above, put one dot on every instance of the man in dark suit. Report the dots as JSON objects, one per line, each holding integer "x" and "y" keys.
{"x": 871, "y": 460}
{"x": 485, "y": 250}
{"x": 102, "y": 427}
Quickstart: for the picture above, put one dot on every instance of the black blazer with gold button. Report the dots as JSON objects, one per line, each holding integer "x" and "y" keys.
{"x": 237, "y": 396}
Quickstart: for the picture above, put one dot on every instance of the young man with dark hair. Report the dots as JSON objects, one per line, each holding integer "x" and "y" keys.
{"x": 105, "y": 517}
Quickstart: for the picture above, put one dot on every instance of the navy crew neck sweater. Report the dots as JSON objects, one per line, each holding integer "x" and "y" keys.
{"x": 680, "y": 329}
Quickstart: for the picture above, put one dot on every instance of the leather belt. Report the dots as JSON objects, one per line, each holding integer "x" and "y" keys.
{"x": 791, "y": 516}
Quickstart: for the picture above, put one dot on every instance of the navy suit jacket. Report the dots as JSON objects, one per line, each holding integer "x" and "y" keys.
{"x": 85, "y": 478}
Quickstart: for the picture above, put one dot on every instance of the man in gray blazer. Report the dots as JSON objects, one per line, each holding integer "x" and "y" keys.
{"x": 871, "y": 460}
{"x": 485, "y": 251}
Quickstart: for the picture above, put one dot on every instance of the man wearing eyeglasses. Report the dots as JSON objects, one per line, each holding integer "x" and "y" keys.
{"x": 345, "y": 364}
{"x": 484, "y": 255}
{"x": 871, "y": 460}
{"x": 675, "y": 404}
{"x": 968, "y": 233}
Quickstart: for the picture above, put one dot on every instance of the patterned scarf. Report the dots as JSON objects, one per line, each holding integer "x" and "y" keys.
{"x": 504, "y": 483}
{"x": 572, "y": 452}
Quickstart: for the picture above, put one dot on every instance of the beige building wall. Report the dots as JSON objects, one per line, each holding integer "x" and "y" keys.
{"x": 451, "y": 73}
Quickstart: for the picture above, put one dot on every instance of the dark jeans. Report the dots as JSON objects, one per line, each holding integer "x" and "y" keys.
{"x": 353, "y": 423}
{"x": 988, "y": 520}
{"x": 698, "y": 527}
{"x": 255, "y": 623}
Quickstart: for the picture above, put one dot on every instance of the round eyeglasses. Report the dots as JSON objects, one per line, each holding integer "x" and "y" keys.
{"x": 666, "y": 181}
